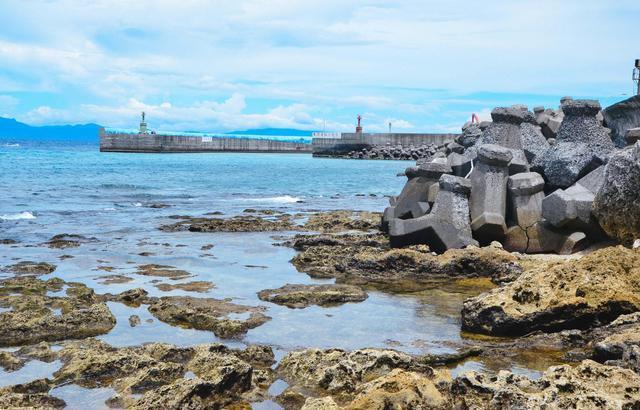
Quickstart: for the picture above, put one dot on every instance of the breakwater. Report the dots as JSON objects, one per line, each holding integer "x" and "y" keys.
{"x": 352, "y": 141}
{"x": 166, "y": 143}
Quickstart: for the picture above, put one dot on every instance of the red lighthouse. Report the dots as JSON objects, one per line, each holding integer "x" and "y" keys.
{"x": 359, "y": 127}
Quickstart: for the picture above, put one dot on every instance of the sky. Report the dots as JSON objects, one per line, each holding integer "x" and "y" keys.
{"x": 423, "y": 65}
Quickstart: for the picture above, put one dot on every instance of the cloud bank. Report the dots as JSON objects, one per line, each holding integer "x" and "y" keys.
{"x": 203, "y": 65}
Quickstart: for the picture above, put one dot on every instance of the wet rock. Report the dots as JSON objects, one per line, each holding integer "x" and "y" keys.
{"x": 410, "y": 268}
{"x": 617, "y": 203}
{"x": 618, "y": 343}
{"x": 29, "y": 396}
{"x": 9, "y": 362}
{"x": 162, "y": 271}
{"x": 7, "y": 241}
{"x": 114, "y": 279}
{"x": 63, "y": 241}
{"x": 301, "y": 296}
{"x": 34, "y": 316}
{"x": 134, "y": 320}
{"x": 589, "y": 385}
{"x": 446, "y": 227}
{"x": 131, "y": 297}
{"x": 341, "y": 221}
{"x": 583, "y": 293}
{"x": 208, "y": 314}
{"x": 31, "y": 268}
{"x": 582, "y": 145}
{"x": 241, "y": 223}
{"x": 196, "y": 286}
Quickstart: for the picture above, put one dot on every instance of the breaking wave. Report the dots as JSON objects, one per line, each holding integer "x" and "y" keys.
{"x": 16, "y": 217}
{"x": 285, "y": 199}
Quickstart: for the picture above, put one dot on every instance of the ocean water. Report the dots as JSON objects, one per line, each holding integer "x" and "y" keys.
{"x": 54, "y": 188}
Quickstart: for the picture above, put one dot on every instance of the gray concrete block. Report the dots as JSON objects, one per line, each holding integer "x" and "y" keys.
{"x": 544, "y": 238}
{"x": 572, "y": 207}
{"x": 489, "y": 193}
{"x": 632, "y": 135}
{"x": 446, "y": 227}
{"x": 526, "y": 192}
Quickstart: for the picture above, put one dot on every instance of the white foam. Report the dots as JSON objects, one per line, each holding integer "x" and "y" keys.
{"x": 285, "y": 199}
{"x": 137, "y": 204}
{"x": 12, "y": 145}
{"x": 15, "y": 217}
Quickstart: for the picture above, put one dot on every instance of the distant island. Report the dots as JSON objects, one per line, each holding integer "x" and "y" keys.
{"x": 11, "y": 128}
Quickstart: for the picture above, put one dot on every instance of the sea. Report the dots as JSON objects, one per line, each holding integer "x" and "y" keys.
{"x": 119, "y": 200}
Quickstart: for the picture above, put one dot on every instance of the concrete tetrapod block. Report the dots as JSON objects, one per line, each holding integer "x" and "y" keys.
{"x": 416, "y": 189}
{"x": 461, "y": 163}
{"x": 632, "y": 135}
{"x": 446, "y": 227}
{"x": 571, "y": 207}
{"x": 581, "y": 146}
{"x": 526, "y": 192}
{"x": 543, "y": 238}
{"x": 488, "y": 200}
{"x": 505, "y": 131}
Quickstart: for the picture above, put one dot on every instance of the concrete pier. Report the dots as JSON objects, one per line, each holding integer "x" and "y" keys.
{"x": 353, "y": 141}
{"x": 145, "y": 142}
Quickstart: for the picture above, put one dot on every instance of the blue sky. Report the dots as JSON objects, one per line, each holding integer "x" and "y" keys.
{"x": 222, "y": 65}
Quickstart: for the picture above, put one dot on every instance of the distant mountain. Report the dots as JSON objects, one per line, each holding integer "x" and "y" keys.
{"x": 283, "y": 132}
{"x": 10, "y": 128}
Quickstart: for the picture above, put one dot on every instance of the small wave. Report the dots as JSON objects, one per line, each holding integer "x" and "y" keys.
{"x": 285, "y": 199}
{"x": 109, "y": 209}
{"x": 16, "y": 217}
{"x": 12, "y": 145}
{"x": 137, "y": 204}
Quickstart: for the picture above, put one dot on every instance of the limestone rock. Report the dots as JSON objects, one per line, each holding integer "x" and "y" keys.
{"x": 37, "y": 317}
{"x": 589, "y": 385}
{"x": 207, "y": 314}
{"x": 338, "y": 371}
{"x": 300, "y": 296}
{"x": 617, "y": 203}
{"x": 582, "y": 293}
{"x": 399, "y": 389}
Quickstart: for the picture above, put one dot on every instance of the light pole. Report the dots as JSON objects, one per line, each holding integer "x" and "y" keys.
{"x": 636, "y": 74}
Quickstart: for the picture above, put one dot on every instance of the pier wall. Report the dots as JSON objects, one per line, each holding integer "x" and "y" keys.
{"x": 123, "y": 142}
{"x": 353, "y": 142}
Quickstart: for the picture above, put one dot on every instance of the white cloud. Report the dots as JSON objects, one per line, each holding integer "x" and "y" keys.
{"x": 311, "y": 60}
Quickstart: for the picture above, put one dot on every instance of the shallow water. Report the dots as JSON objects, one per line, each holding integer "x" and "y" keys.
{"x": 72, "y": 188}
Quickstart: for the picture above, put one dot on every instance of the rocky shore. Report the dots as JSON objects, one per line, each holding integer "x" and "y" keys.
{"x": 534, "y": 215}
